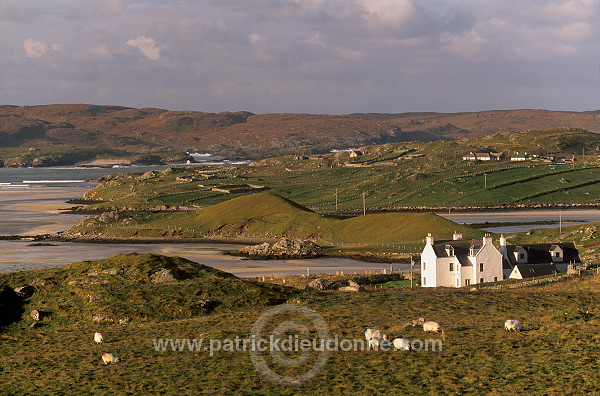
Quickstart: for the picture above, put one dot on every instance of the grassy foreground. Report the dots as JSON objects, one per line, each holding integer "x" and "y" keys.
{"x": 557, "y": 353}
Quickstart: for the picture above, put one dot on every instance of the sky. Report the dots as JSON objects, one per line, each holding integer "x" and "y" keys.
{"x": 303, "y": 56}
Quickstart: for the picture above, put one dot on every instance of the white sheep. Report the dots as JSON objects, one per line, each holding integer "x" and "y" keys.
{"x": 378, "y": 343}
{"x": 513, "y": 325}
{"x": 99, "y": 338}
{"x": 375, "y": 333}
{"x": 110, "y": 358}
{"x": 432, "y": 327}
{"x": 401, "y": 344}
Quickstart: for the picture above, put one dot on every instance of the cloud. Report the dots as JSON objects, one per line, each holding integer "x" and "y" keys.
{"x": 147, "y": 46}
{"x": 35, "y": 49}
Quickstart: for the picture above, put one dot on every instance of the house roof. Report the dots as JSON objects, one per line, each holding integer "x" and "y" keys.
{"x": 539, "y": 253}
{"x": 533, "y": 270}
{"x": 461, "y": 248}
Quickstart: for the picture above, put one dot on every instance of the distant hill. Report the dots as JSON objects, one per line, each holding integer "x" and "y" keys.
{"x": 256, "y": 135}
{"x": 267, "y": 215}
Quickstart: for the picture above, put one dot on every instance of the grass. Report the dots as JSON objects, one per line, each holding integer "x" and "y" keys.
{"x": 557, "y": 353}
{"x": 391, "y": 177}
{"x": 269, "y": 216}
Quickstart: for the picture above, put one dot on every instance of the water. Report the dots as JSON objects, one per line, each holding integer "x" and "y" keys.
{"x": 25, "y": 256}
{"x": 70, "y": 176}
{"x": 567, "y": 216}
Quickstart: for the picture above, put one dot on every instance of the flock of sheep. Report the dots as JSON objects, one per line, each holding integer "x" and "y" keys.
{"x": 379, "y": 339}
{"x": 106, "y": 357}
{"x": 375, "y": 338}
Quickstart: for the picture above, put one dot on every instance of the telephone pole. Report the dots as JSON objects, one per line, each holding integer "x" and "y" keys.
{"x": 364, "y": 203}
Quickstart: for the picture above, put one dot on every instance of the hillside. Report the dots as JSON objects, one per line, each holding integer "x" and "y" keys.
{"x": 556, "y": 353}
{"x": 141, "y": 287}
{"x": 392, "y": 176}
{"x": 265, "y": 215}
{"x": 245, "y": 134}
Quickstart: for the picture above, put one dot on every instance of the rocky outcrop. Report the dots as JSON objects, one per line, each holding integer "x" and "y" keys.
{"x": 285, "y": 248}
{"x": 166, "y": 275}
{"x": 319, "y": 284}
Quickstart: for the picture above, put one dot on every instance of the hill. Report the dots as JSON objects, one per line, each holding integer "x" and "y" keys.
{"x": 556, "y": 353}
{"x": 138, "y": 287}
{"x": 265, "y": 215}
{"x": 563, "y": 171}
{"x": 234, "y": 134}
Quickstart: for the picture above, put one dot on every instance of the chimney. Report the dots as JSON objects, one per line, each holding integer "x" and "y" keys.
{"x": 502, "y": 248}
{"x": 429, "y": 239}
{"x": 456, "y": 236}
{"x": 487, "y": 239}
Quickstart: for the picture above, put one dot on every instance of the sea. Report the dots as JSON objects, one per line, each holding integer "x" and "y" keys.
{"x": 73, "y": 176}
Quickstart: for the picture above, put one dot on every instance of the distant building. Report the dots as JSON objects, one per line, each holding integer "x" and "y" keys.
{"x": 356, "y": 153}
{"x": 461, "y": 262}
{"x": 483, "y": 156}
{"x": 520, "y": 157}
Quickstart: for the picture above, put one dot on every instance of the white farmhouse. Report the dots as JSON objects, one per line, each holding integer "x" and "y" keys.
{"x": 459, "y": 262}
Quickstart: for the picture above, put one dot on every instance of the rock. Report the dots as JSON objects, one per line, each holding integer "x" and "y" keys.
{"x": 284, "y": 248}
{"x": 166, "y": 275}
{"x": 352, "y": 283}
{"x": 125, "y": 320}
{"x": 107, "y": 217}
{"x": 36, "y": 315}
{"x": 352, "y": 288}
{"x": 25, "y": 291}
{"x": 318, "y": 284}
{"x": 101, "y": 318}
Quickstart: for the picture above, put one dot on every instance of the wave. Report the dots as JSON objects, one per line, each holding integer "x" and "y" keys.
{"x": 52, "y": 181}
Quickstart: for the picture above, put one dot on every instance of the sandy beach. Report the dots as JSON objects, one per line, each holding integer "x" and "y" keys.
{"x": 37, "y": 211}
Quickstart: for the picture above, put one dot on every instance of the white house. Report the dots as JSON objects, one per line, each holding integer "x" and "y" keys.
{"x": 459, "y": 262}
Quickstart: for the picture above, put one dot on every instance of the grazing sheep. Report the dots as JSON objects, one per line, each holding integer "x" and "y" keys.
{"x": 513, "y": 325}
{"x": 375, "y": 333}
{"x": 378, "y": 342}
{"x": 98, "y": 337}
{"x": 401, "y": 344}
{"x": 110, "y": 358}
{"x": 432, "y": 327}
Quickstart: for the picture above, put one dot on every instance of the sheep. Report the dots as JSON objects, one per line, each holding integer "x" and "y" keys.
{"x": 378, "y": 342}
{"x": 513, "y": 325}
{"x": 432, "y": 327}
{"x": 99, "y": 338}
{"x": 401, "y": 344}
{"x": 110, "y": 358}
{"x": 375, "y": 333}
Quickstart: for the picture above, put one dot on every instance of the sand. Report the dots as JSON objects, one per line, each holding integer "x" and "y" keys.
{"x": 37, "y": 211}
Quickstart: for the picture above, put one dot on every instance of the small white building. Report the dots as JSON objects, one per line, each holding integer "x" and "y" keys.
{"x": 460, "y": 262}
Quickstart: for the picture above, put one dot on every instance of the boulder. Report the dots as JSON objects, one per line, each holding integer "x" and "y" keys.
{"x": 318, "y": 284}
{"x": 24, "y": 291}
{"x": 166, "y": 275}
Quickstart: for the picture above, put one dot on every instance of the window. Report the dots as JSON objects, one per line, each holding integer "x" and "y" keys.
{"x": 424, "y": 281}
{"x": 495, "y": 279}
{"x": 457, "y": 283}
{"x": 467, "y": 282}
{"x": 424, "y": 265}
{"x": 451, "y": 266}
{"x": 522, "y": 256}
{"x": 480, "y": 280}
{"x": 480, "y": 267}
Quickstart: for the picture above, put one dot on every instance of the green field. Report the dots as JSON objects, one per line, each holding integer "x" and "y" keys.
{"x": 389, "y": 177}
{"x": 556, "y": 353}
